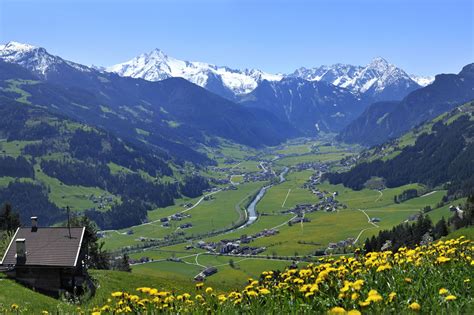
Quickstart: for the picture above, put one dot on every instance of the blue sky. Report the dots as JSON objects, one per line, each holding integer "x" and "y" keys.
{"x": 422, "y": 36}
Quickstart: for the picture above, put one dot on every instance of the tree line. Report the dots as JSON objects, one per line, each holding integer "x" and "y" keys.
{"x": 423, "y": 230}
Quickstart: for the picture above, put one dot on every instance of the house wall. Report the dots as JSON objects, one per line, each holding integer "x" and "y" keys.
{"x": 42, "y": 279}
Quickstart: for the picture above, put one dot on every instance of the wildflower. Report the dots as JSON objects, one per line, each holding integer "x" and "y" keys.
{"x": 252, "y": 293}
{"x": 408, "y": 280}
{"x": 144, "y": 289}
{"x": 442, "y": 259}
{"x": 44, "y": 312}
{"x": 209, "y": 290}
{"x": 14, "y": 307}
{"x": 374, "y": 296}
{"x": 443, "y": 291}
{"x": 384, "y": 267}
{"x": 414, "y": 306}
{"x": 450, "y": 298}
{"x": 337, "y": 310}
{"x": 264, "y": 291}
{"x": 354, "y": 296}
{"x": 392, "y": 296}
{"x": 357, "y": 285}
{"x": 199, "y": 285}
{"x": 353, "y": 312}
{"x": 105, "y": 308}
{"x": 117, "y": 294}
{"x": 467, "y": 280}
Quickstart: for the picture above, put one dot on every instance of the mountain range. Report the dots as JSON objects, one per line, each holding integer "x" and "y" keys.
{"x": 379, "y": 79}
{"x": 175, "y": 106}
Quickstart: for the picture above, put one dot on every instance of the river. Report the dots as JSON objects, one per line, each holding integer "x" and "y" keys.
{"x": 251, "y": 209}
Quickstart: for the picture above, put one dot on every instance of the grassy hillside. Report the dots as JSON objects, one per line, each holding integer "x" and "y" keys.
{"x": 436, "y": 153}
{"x": 107, "y": 282}
{"x": 392, "y": 148}
{"x": 56, "y": 162}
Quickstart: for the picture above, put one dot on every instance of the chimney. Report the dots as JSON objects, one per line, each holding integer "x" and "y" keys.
{"x": 34, "y": 224}
{"x": 20, "y": 251}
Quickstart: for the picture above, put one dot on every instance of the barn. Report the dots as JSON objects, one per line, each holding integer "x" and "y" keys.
{"x": 47, "y": 259}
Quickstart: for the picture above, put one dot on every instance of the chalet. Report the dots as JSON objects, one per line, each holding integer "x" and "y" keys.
{"x": 209, "y": 271}
{"x": 47, "y": 259}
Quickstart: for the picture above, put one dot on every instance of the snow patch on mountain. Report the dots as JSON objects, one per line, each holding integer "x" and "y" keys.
{"x": 422, "y": 80}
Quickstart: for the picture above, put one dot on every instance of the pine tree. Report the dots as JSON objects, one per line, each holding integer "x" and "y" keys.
{"x": 441, "y": 228}
{"x": 9, "y": 221}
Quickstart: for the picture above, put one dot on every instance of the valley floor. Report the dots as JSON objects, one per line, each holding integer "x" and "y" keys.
{"x": 357, "y": 215}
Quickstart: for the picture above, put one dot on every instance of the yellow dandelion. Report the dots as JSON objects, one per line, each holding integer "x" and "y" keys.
{"x": 199, "y": 285}
{"x": 337, "y": 310}
{"x": 117, "y": 294}
{"x": 414, "y": 306}
{"x": 264, "y": 291}
{"x": 443, "y": 291}
{"x": 442, "y": 259}
{"x": 209, "y": 290}
{"x": 450, "y": 298}
{"x": 392, "y": 296}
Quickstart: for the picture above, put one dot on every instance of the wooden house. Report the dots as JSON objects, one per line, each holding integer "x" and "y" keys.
{"x": 47, "y": 259}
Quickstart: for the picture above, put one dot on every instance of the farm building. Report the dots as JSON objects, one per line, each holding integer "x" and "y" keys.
{"x": 47, "y": 259}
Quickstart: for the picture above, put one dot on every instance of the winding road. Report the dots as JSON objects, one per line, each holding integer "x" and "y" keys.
{"x": 375, "y": 226}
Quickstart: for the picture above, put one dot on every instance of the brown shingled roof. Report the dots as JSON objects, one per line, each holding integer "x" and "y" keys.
{"x": 49, "y": 246}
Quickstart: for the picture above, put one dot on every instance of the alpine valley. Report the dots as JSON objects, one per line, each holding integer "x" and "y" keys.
{"x": 186, "y": 171}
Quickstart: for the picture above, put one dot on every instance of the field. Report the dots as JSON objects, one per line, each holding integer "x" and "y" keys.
{"x": 221, "y": 212}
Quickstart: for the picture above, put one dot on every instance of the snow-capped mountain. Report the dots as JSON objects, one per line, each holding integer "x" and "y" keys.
{"x": 379, "y": 79}
{"x": 35, "y": 59}
{"x": 156, "y": 66}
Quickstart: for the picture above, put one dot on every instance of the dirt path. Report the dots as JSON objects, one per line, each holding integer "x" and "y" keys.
{"x": 375, "y": 226}
{"x": 380, "y": 196}
{"x": 430, "y": 193}
{"x": 284, "y": 201}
